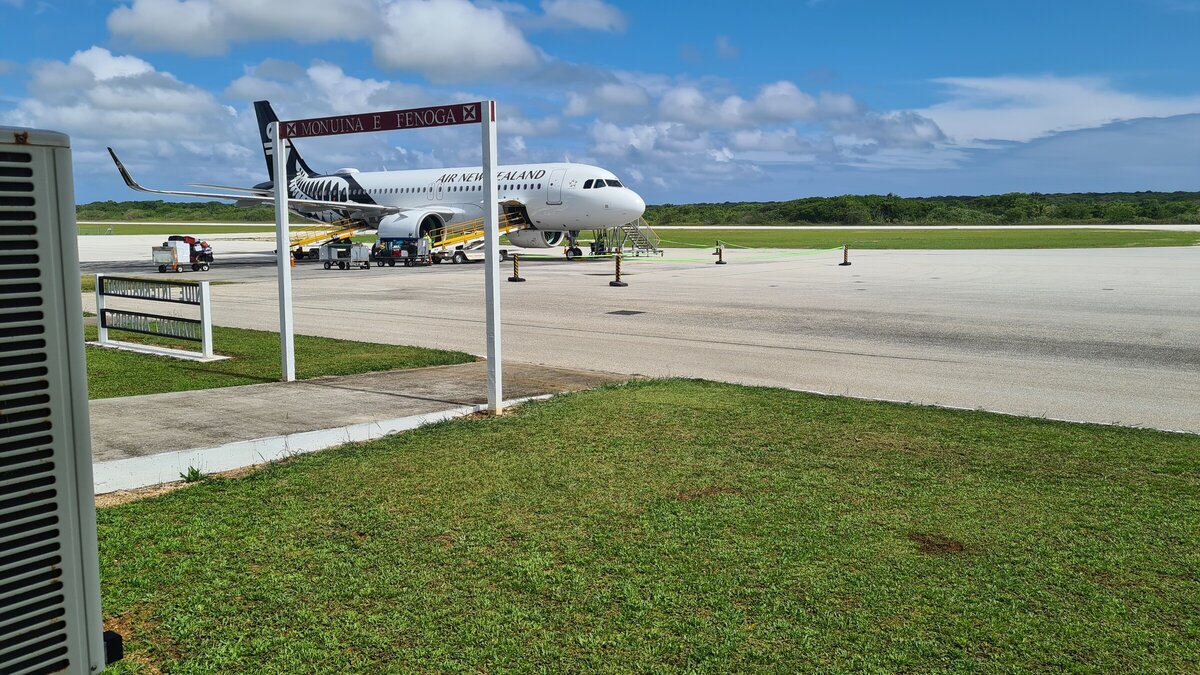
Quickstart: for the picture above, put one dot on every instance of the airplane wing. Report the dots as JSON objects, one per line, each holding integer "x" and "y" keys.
{"x": 261, "y": 191}
{"x": 261, "y": 197}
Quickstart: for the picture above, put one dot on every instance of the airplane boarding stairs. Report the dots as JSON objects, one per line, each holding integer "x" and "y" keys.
{"x": 469, "y": 235}
{"x": 639, "y": 238}
{"x": 320, "y": 234}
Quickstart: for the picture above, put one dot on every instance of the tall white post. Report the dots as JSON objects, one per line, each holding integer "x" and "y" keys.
{"x": 283, "y": 255}
{"x": 205, "y": 321}
{"x": 101, "y": 331}
{"x": 491, "y": 257}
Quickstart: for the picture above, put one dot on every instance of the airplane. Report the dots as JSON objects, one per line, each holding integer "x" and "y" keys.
{"x": 553, "y": 201}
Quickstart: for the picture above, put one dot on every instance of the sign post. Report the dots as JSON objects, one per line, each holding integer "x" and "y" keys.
{"x": 193, "y": 293}
{"x": 283, "y": 252}
{"x": 491, "y": 258}
{"x": 482, "y": 113}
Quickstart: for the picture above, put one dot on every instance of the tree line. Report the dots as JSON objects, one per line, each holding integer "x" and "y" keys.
{"x": 175, "y": 212}
{"x": 1006, "y": 209}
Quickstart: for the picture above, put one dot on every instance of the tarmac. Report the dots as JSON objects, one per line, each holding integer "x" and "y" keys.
{"x": 146, "y": 440}
{"x": 1095, "y": 335}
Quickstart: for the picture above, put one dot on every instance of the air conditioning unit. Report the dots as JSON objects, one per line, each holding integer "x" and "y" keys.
{"x": 49, "y": 570}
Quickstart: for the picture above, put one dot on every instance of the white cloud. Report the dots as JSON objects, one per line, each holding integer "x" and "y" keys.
{"x": 984, "y": 109}
{"x": 99, "y": 94}
{"x": 725, "y": 48}
{"x": 513, "y": 123}
{"x": 784, "y": 141}
{"x": 452, "y": 39}
{"x": 589, "y": 14}
{"x": 896, "y": 129}
{"x": 441, "y": 39}
{"x": 103, "y": 65}
{"x": 776, "y": 102}
{"x": 606, "y": 97}
{"x": 208, "y": 27}
{"x": 323, "y": 88}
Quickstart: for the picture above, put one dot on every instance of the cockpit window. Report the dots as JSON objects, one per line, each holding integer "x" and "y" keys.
{"x": 613, "y": 183}
{"x": 587, "y": 185}
{"x": 599, "y": 183}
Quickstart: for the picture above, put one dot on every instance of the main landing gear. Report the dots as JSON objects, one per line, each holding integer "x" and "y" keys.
{"x": 572, "y": 251}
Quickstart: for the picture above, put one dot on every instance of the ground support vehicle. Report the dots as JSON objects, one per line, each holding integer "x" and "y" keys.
{"x": 456, "y": 256}
{"x": 345, "y": 255}
{"x": 409, "y": 252}
{"x": 178, "y": 251}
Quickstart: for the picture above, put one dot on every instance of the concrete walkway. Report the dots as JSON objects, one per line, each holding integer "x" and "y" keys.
{"x": 146, "y": 440}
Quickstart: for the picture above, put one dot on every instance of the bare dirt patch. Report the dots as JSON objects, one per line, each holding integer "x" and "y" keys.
{"x": 936, "y": 544}
{"x": 135, "y": 625}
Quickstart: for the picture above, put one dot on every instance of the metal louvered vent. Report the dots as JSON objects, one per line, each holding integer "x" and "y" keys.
{"x": 49, "y": 594}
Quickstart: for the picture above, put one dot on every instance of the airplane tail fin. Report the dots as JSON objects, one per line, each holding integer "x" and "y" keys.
{"x": 296, "y": 166}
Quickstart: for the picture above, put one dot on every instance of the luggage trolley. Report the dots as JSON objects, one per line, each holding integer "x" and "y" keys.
{"x": 345, "y": 255}
{"x": 178, "y": 251}
{"x": 407, "y": 251}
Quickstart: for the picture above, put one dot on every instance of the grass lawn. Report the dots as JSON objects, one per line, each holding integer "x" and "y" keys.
{"x": 933, "y": 238}
{"x": 255, "y": 360}
{"x": 727, "y": 529}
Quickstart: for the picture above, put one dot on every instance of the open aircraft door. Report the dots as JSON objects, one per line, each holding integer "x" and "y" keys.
{"x": 554, "y": 187}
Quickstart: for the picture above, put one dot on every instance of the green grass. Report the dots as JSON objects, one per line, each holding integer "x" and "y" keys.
{"x": 727, "y": 529}
{"x": 933, "y": 238}
{"x": 194, "y": 229}
{"x": 255, "y": 359}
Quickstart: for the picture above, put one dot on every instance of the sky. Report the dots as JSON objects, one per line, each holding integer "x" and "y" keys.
{"x": 698, "y": 101}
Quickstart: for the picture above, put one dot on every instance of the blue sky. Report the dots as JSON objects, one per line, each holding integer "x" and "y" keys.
{"x": 687, "y": 101}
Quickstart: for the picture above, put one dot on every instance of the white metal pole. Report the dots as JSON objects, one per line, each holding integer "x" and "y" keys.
{"x": 491, "y": 257}
{"x": 101, "y": 331}
{"x": 206, "y": 320}
{"x": 283, "y": 253}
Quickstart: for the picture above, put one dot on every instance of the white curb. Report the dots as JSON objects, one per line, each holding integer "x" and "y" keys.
{"x": 167, "y": 467}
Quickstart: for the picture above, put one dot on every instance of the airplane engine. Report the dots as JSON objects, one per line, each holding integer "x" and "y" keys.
{"x": 410, "y": 224}
{"x": 530, "y": 238}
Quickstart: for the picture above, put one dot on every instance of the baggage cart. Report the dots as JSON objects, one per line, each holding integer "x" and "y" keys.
{"x": 409, "y": 252}
{"x": 344, "y": 255}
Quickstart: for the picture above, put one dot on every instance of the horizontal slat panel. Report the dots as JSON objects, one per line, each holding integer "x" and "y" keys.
{"x": 20, "y": 345}
{"x": 30, "y": 543}
{"x": 33, "y": 647}
{"x": 13, "y": 477}
{"x": 15, "y": 556}
{"x": 28, "y": 581}
{"x": 39, "y": 593}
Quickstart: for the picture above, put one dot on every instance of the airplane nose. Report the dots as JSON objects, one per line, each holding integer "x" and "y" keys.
{"x": 639, "y": 205}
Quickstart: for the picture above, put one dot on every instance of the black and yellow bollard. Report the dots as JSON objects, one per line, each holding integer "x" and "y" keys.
{"x": 617, "y": 281}
{"x": 516, "y": 276}
{"x": 720, "y": 253}
{"x": 845, "y": 255}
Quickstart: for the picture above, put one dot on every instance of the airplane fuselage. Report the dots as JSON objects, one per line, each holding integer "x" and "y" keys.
{"x": 558, "y": 197}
